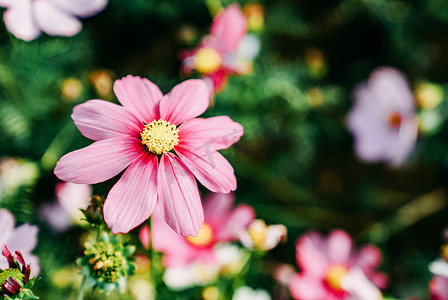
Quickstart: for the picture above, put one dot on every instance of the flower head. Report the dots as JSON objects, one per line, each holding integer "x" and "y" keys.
{"x": 222, "y": 224}
{"x": 383, "y": 119}
{"x": 331, "y": 269}
{"x": 15, "y": 280}
{"x": 217, "y": 55}
{"x": 65, "y": 211}
{"x": 162, "y": 145}
{"x": 439, "y": 284}
{"x": 107, "y": 263}
{"x": 22, "y": 238}
{"x": 261, "y": 237}
{"x": 26, "y": 19}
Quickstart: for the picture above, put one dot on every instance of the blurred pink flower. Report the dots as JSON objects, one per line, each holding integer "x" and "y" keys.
{"x": 22, "y": 238}
{"x": 70, "y": 198}
{"x": 215, "y": 57}
{"x": 26, "y": 19}
{"x": 331, "y": 269}
{"x": 383, "y": 119}
{"x": 222, "y": 224}
{"x": 438, "y": 288}
{"x": 134, "y": 136}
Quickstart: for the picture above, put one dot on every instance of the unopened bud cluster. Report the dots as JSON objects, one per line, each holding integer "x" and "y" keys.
{"x": 107, "y": 263}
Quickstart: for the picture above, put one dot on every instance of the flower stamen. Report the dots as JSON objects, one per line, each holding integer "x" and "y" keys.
{"x": 160, "y": 136}
{"x": 334, "y": 276}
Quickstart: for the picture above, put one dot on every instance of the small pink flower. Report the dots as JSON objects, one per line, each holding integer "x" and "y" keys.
{"x": 215, "y": 57}
{"x": 438, "y": 288}
{"x": 140, "y": 137}
{"x": 70, "y": 198}
{"x": 26, "y": 19}
{"x": 383, "y": 119}
{"x": 22, "y": 239}
{"x": 331, "y": 269}
{"x": 222, "y": 224}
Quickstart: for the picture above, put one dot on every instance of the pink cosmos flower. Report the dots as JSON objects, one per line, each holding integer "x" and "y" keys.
{"x": 26, "y": 19}
{"x": 222, "y": 224}
{"x": 70, "y": 198}
{"x": 438, "y": 288}
{"x": 215, "y": 57}
{"x": 22, "y": 238}
{"x": 140, "y": 136}
{"x": 331, "y": 269}
{"x": 383, "y": 119}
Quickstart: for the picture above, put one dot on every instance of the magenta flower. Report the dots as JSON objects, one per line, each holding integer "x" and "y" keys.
{"x": 383, "y": 119}
{"x": 140, "y": 136}
{"x": 215, "y": 58}
{"x": 222, "y": 224}
{"x": 15, "y": 279}
{"x": 22, "y": 238}
{"x": 438, "y": 288}
{"x": 26, "y": 19}
{"x": 331, "y": 269}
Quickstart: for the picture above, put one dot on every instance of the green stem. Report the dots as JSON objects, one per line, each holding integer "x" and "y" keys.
{"x": 153, "y": 257}
{"x": 406, "y": 216}
{"x": 81, "y": 288}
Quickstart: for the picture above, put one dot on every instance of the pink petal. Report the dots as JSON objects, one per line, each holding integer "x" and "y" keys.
{"x": 19, "y": 20}
{"x": 24, "y": 238}
{"x": 310, "y": 254}
{"x": 213, "y": 133}
{"x": 99, "y": 120}
{"x": 180, "y": 203}
{"x": 80, "y": 8}
{"x": 305, "y": 287}
{"x": 6, "y": 225}
{"x": 132, "y": 199}
{"x": 100, "y": 161}
{"x": 369, "y": 257}
{"x": 339, "y": 247}
{"x": 210, "y": 168}
{"x": 229, "y": 27}
{"x": 237, "y": 222}
{"x": 33, "y": 261}
{"x": 185, "y": 101}
{"x": 53, "y": 21}
{"x": 7, "y": 3}
{"x": 140, "y": 96}
{"x": 178, "y": 252}
{"x": 72, "y": 197}
{"x": 392, "y": 90}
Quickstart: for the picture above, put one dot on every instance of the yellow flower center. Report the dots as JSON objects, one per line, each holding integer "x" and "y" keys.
{"x": 257, "y": 232}
{"x": 204, "y": 237}
{"x": 160, "y": 136}
{"x": 334, "y": 276}
{"x": 445, "y": 252}
{"x": 207, "y": 60}
{"x": 395, "y": 119}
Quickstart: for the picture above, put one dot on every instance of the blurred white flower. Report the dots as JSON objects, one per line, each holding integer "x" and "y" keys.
{"x": 16, "y": 173}
{"x": 180, "y": 278}
{"x": 247, "y": 293}
{"x": 259, "y": 236}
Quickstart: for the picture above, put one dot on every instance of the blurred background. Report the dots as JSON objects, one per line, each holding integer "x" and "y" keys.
{"x": 295, "y": 163}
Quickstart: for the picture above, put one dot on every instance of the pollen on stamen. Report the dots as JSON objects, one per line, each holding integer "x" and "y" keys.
{"x": 160, "y": 136}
